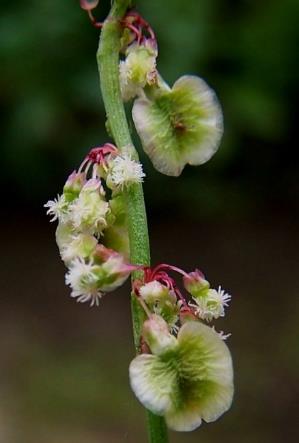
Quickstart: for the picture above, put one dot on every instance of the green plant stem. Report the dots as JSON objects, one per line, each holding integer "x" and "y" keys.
{"x": 108, "y": 63}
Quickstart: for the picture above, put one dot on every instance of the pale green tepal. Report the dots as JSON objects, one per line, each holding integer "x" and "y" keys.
{"x": 189, "y": 381}
{"x": 162, "y": 301}
{"x": 179, "y": 126}
{"x": 80, "y": 245}
{"x": 138, "y": 69}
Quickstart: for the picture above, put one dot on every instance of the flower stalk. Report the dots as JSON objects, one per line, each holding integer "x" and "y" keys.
{"x": 108, "y": 64}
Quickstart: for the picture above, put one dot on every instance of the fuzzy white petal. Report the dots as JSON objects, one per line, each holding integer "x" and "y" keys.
{"x": 124, "y": 171}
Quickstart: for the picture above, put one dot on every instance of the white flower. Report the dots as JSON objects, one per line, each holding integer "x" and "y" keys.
{"x": 80, "y": 245}
{"x": 211, "y": 305}
{"x": 82, "y": 278}
{"x": 57, "y": 208}
{"x": 124, "y": 171}
{"x": 89, "y": 210}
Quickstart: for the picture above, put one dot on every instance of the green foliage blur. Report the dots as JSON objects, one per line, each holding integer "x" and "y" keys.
{"x": 246, "y": 50}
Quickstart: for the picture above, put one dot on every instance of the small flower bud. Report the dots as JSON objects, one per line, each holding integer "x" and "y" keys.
{"x": 153, "y": 292}
{"x": 73, "y": 185}
{"x": 113, "y": 271}
{"x": 81, "y": 245}
{"x": 92, "y": 185}
{"x": 196, "y": 284}
{"x": 138, "y": 69}
{"x": 103, "y": 254}
{"x": 162, "y": 301}
{"x": 157, "y": 335}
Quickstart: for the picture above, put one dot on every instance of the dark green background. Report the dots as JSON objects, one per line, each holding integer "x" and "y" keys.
{"x": 63, "y": 365}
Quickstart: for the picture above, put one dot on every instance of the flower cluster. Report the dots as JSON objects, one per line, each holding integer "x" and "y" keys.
{"x": 186, "y": 375}
{"x": 184, "y": 370}
{"x": 177, "y": 126}
{"x": 86, "y": 216}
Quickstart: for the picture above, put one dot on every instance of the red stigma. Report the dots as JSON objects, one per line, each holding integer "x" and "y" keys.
{"x": 98, "y": 154}
{"x": 159, "y": 274}
{"x": 140, "y": 27}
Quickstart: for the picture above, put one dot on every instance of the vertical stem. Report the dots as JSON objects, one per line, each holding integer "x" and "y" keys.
{"x": 108, "y": 64}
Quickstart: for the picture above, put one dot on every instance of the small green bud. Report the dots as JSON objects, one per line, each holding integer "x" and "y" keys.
{"x": 196, "y": 284}
{"x": 161, "y": 300}
{"x": 113, "y": 270}
{"x": 74, "y": 185}
{"x": 153, "y": 292}
{"x": 138, "y": 69}
{"x": 80, "y": 245}
{"x": 157, "y": 335}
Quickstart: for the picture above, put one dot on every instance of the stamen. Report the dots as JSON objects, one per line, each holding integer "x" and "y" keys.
{"x": 88, "y": 167}
{"x": 94, "y": 171}
{"x": 83, "y": 164}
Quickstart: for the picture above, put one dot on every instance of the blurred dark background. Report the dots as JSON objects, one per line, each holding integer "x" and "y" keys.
{"x": 64, "y": 366}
